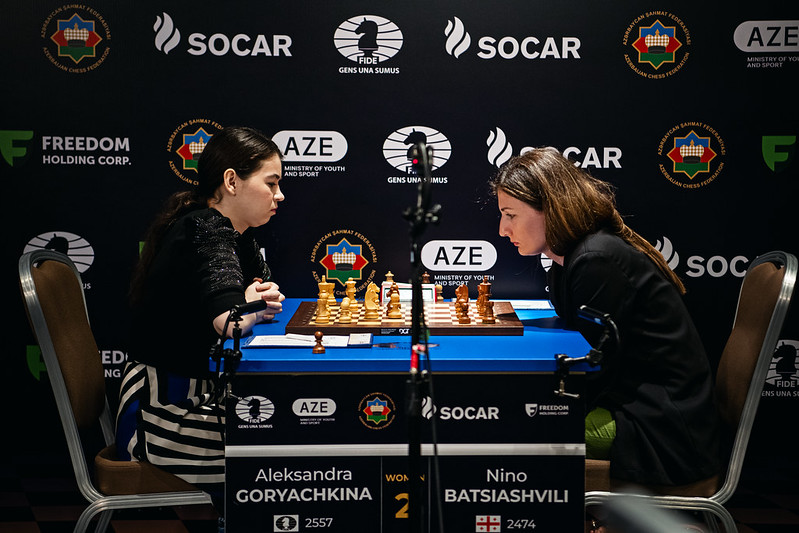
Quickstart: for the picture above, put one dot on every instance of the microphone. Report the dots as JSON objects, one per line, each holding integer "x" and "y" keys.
{"x": 249, "y": 307}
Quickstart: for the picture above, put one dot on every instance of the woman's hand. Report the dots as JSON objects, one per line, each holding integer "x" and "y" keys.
{"x": 270, "y": 293}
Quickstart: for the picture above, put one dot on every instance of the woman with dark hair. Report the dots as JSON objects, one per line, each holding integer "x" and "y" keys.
{"x": 649, "y": 408}
{"x": 199, "y": 261}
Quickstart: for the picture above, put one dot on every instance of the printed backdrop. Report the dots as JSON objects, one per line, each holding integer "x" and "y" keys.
{"x": 688, "y": 108}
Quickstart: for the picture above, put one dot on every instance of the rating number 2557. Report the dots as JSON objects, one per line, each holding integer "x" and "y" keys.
{"x": 318, "y": 522}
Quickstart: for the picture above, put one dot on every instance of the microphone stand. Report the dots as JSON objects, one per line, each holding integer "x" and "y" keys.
{"x": 417, "y": 382}
{"x": 230, "y": 356}
{"x": 595, "y": 355}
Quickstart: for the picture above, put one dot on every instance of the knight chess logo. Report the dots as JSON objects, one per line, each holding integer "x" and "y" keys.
{"x": 377, "y": 410}
{"x": 341, "y": 255}
{"x": 658, "y": 45}
{"x": 76, "y": 38}
{"x": 186, "y": 144}
{"x": 691, "y": 155}
{"x": 74, "y": 246}
{"x": 782, "y": 378}
{"x": 369, "y": 41}
{"x": 398, "y": 146}
{"x": 286, "y": 523}
{"x": 255, "y": 410}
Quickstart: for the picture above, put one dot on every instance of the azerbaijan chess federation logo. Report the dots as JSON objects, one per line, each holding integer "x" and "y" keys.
{"x": 186, "y": 144}
{"x": 76, "y": 38}
{"x": 342, "y": 255}
{"x": 691, "y": 155}
{"x": 376, "y": 410}
{"x": 658, "y": 45}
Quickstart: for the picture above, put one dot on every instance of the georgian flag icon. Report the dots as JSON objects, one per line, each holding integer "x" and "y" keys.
{"x": 487, "y": 523}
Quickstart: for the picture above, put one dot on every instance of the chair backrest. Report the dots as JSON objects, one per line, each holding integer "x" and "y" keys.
{"x": 763, "y": 302}
{"x": 54, "y": 300}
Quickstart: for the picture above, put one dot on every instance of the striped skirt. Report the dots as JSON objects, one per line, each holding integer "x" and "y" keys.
{"x": 172, "y": 422}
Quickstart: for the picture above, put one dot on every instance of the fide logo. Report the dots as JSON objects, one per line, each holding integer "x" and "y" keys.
{"x": 76, "y": 38}
{"x": 367, "y": 40}
{"x": 74, "y": 246}
{"x": 783, "y": 372}
{"x": 186, "y": 144}
{"x": 658, "y": 45}
{"x": 255, "y": 409}
{"x": 397, "y": 147}
{"x": 286, "y": 522}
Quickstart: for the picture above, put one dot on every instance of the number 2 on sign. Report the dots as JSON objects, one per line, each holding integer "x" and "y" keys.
{"x": 403, "y": 512}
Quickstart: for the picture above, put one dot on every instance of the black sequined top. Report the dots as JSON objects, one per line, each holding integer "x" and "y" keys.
{"x": 200, "y": 271}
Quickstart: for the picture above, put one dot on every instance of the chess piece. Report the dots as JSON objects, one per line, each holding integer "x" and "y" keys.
{"x": 462, "y": 311}
{"x": 349, "y": 291}
{"x": 345, "y": 311}
{"x": 329, "y": 288}
{"x": 371, "y": 303}
{"x": 462, "y": 292}
{"x": 483, "y": 295}
{"x": 426, "y": 277}
{"x": 439, "y": 293}
{"x": 389, "y": 277}
{"x": 393, "y": 310}
{"x": 488, "y": 314}
{"x": 322, "y": 308}
{"x": 318, "y": 348}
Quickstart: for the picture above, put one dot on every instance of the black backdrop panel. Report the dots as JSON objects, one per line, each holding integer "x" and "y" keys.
{"x": 99, "y": 99}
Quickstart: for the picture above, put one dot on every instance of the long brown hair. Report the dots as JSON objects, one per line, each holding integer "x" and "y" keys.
{"x": 574, "y": 203}
{"x": 240, "y": 148}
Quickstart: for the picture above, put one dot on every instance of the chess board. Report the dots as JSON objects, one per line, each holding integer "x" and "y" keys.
{"x": 440, "y": 319}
